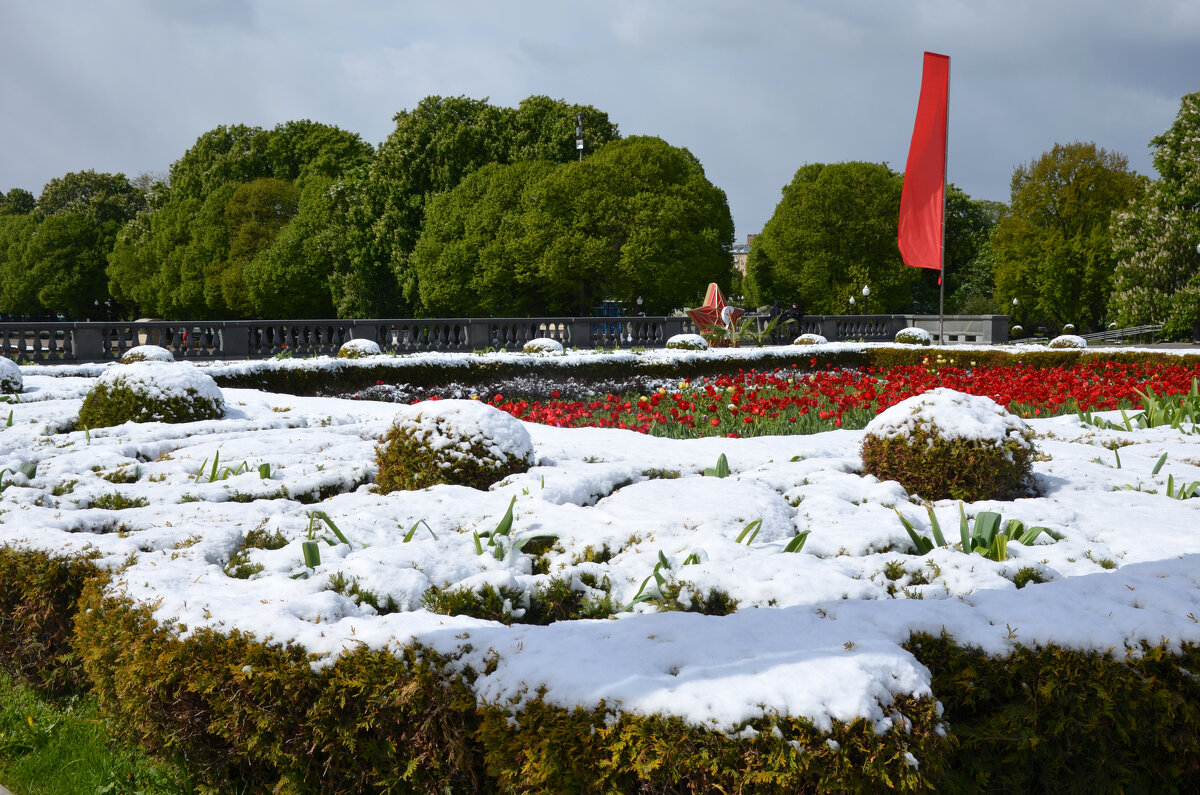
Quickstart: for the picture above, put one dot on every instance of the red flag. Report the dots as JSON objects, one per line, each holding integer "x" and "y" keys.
{"x": 922, "y": 202}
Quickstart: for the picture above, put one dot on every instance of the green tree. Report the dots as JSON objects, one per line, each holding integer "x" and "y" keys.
{"x": 1155, "y": 240}
{"x": 969, "y": 261}
{"x": 290, "y": 279}
{"x": 1053, "y": 249}
{"x": 66, "y": 259}
{"x": 380, "y": 211}
{"x": 229, "y": 197}
{"x": 469, "y": 259}
{"x": 636, "y": 219}
{"x": 17, "y": 201}
{"x": 18, "y": 288}
{"x": 81, "y": 214}
{"x": 833, "y": 232}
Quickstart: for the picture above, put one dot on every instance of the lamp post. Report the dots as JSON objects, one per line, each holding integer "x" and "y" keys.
{"x": 579, "y": 133}
{"x": 866, "y": 295}
{"x": 851, "y": 303}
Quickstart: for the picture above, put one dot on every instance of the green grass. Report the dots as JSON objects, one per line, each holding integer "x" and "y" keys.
{"x": 63, "y": 748}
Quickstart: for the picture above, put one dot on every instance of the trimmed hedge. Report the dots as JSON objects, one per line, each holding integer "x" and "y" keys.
{"x": 249, "y": 716}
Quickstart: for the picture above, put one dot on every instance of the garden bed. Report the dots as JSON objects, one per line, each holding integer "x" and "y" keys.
{"x": 657, "y": 628}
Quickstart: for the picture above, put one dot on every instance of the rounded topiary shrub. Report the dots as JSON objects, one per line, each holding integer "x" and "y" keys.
{"x": 1068, "y": 341}
{"x": 151, "y": 392}
{"x": 147, "y": 353}
{"x": 542, "y": 345}
{"x": 10, "y": 377}
{"x": 1017, "y": 331}
{"x": 945, "y": 444}
{"x": 355, "y": 349}
{"x": 913, "y": 336}
{"x": 810, "y": 339}
{"x": 687, "y": 342}
{"x": 462, "y": 442}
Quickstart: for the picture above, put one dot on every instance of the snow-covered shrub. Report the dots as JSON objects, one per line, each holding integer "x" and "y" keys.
{"x": 354, "y": 349}
{"x": 1068, "y": 341}
{"x": 151, "y": 391}
{"x": 810, "y": 339}
{"x": 945, "y": 444}
{"x": 913, "y": 336}
{"x": 1069, "y": 328}
{"x": 1017, "y": 331}
{"x": 687, "y": 342}
{"x": 461, "y": 442}
{"x": 147, "y": 353}
{"x": 542, "y": 345}
{"x": 10, "y": 377}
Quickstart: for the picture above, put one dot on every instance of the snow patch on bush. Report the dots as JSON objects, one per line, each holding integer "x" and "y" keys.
{"x": 1068, "y": 341}
{"x": 147, "y": 353}
{"x": 951, "y": 415}
{"x": 913, "y": 336}
{"x": 542, "y": 345}
{"x": 10, "y": 376}
{"x": 687, "y": 342}
{"x": 357, "y": 348}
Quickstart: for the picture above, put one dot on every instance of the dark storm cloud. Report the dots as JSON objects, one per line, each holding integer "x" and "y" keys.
{"x": 753, "y": 89}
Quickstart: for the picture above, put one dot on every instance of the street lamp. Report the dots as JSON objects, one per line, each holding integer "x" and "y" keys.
{"x": 851, "y": 303}
{"x": 866, "y": 294}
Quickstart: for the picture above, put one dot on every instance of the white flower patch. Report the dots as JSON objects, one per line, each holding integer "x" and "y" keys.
{"x": 913, "y": 336}
{"x": 455, "y": 427}
{"x": 688, "y": 342}
{"x": 542, "y": 345}
{"x": 161, "y": 382}
{"x": 354, "y": 349}
{"x": 950, "y": 414}
{"x": 10, "y": 376}
{"x": 147, "y": 353}
{"x": 1068, "y": 341}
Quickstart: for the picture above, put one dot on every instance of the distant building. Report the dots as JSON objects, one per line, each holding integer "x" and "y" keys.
{"x": 741, "y": 251}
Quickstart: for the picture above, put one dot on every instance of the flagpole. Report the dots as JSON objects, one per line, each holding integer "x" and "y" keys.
{"x": 945, "y": 184}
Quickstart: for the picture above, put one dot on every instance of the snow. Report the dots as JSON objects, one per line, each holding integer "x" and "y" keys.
{"x": 1068, "y": 341}
{"x": 817, "y": 633}
{"x": 543, "y": 345}
{"x": 689, "y": 342}
{"x": 913, "y": 336}
{"x": 154, "y": 353}
{"x": 358, "y": 347}
{"x": 458, "y": 426}
{"x": 950, "y": 415}
{"x": 159, "y": 380}
{"x": 10, "y": 376}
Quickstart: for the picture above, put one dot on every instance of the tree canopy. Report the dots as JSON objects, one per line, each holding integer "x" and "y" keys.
{"x": 833, "y": 232}
{"x": 229, "y": 197}
{"x": 637, "y": 219}
{"x": 380, "y": 210}
{"x": 1155, "y": 239}
{"x": 1053, "y": 249}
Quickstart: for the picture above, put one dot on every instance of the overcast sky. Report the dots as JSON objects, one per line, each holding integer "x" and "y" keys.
{"x": 754, "y": 89}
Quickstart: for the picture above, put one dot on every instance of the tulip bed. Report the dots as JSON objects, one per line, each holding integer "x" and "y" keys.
{"x": 792, "y": 401}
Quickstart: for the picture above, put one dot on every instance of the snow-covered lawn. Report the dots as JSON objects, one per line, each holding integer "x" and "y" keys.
{"x": 817, "y": 633}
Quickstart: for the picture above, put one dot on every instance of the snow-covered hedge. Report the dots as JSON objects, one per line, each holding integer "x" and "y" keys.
{"x": 1068, "y": 341}
{"x": 10, "y": 377}
{"x": 913, "y": 336}
{"x": 945, "y": 444}
{"x": 151, "y": 391}
{"x": 462, "y": 442}
{"x": 687, "y": 342}
{"x": 356, "y": 349}
{"x": 147, "y": 353}
{"x": 542, "y": 345}
{"x": 810, "y": 339}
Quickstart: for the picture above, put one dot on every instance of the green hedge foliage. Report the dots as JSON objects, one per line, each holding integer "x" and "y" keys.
{"x": 254, "y": 717}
